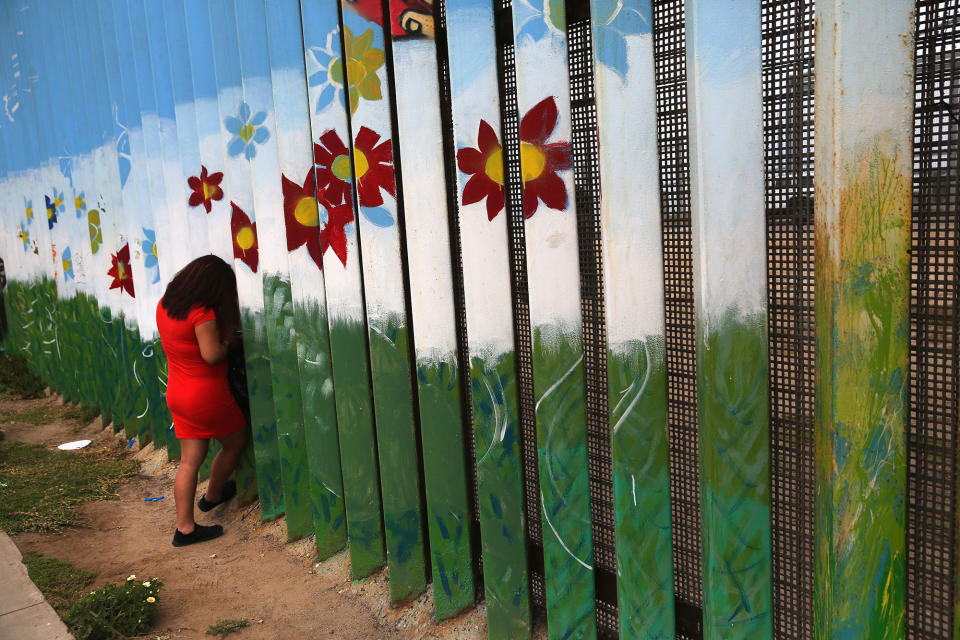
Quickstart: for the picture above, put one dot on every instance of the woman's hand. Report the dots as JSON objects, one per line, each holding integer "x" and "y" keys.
{"x": 212, "y": 348}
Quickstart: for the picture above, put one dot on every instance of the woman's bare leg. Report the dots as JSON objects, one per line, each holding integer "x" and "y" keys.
{"x": 192, "y": 453}
{"x": 224, "y": 463}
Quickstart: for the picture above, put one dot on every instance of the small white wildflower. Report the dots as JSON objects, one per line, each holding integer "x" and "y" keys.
{"x": 151, "y": 599}
{"x": 131, "y": 577}
{"x": 147, "y": 583}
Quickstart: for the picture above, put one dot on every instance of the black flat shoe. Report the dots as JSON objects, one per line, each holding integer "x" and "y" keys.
{"x": 200, "y": 533}
{"x": 229, "y": 490}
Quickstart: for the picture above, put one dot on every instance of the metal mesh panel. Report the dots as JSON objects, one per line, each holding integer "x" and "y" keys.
{"x": 513, "y": 188}
{"x": 586, "y": 170}
{"x": 669, "y": 55}
{"x": 933, "y": 415}
{"x": 788, "y": 48}
{"x": 456, "y": 261}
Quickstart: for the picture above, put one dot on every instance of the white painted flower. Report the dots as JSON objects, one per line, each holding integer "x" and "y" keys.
{"x": 151, "y": 599}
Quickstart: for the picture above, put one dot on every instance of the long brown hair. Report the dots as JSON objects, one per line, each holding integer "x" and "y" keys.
{"x": 209, "y": 282}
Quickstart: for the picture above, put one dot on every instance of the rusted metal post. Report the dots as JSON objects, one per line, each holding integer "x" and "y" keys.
{"x": 864, "y": 124}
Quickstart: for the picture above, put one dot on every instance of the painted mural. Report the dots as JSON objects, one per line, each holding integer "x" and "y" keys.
{"x": 863, "y": 219}
{"x": 727, "y": 188}
{"x": 340, "y": 259}
{"x": 429, "y": 264}
{"x": 633, "y": 280}
{"x": 349, "y": 158}
{"x": 486, "y": 280}
{"x": 553, "y": 281}
{"x": 374, "y": 174}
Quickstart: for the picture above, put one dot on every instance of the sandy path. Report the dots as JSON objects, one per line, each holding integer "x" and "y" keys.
{"x": 250, "y": 572}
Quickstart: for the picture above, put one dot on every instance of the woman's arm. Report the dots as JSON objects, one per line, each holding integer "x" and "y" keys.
{"x": 212, "y": 348}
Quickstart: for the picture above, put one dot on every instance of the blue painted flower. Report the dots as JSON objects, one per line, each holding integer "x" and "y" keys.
{"x": 67, "y": 264}
{"x": 323, "y": 69}
{"x": 378, "y": 216}
{"x": 536, "y": 17}
{"x": 149, "y": 246}
{"x": 58, "y": 201}
{"x": 615, "y": 22}
{"x": 80, "y": 204}
{"x": 246, "y": 130}
{"x": 24, "y": 236}
{"x": 52, "y": 207}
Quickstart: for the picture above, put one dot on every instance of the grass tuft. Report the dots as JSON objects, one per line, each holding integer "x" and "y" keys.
{"x": 226, "y": 626}
{"x": 16, "y": 379}
{"x": 61, "y": 583}
{"x": 45, "y": 414}
{"x": 44, "y": 487}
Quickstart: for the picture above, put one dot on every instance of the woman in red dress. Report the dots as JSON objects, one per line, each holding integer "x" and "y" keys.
{"x": 198, "y": 319}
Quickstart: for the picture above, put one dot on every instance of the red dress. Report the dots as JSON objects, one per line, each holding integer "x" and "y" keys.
{"x": 197, "y": 392}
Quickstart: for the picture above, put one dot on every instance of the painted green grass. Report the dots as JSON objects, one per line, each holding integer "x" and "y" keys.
{"x": 564, "y": 482}
{"x": 288, "y": 406}
{"x": 445, "y": 475}
{"x": 320, "y": 429}
{"x": 358, "y": 446}
{"x": 403, "y": 511}
{"x": 266, "y": 449}
{"x": 637, "y": 382}
{"x": 862, "y": 364}
{"x": 101, "y": 361}
{"x": 735, "y": 477}
{"x": 500, "y": 496}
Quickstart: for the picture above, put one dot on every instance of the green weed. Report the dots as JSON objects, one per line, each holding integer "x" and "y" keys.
{"x": 16, "y": 379}
{"x": 40, "y": 489}
{"x": 61, "y": 583}
{"x": 226, "y": 626}
{"x": 115, "y": 611}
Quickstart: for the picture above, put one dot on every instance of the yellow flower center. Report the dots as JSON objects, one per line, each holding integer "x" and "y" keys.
{"x": 66, "y": 265}
{"x": 247, "y": 131}
{"x": 57, "y": 202}
{"x": 356, "y": 71}
{"x": 121, "y": 271}
{"x": 209, "y": 190}
{"x": 532, "y": 161}
{"x": 153, "y": 250}
{"x": 360, "y": 163}
{"x": 78, "y": 203}
{"x": 494, "y": 166}
{"x": 341, "y": 167}
{"x": 49, "y": 214}
{"x": 29, "y": 213}
{"x": 307, "y": 212}
{"x": 245, "y": 238}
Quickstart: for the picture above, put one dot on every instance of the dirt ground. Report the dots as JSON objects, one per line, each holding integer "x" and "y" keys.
{"x": 250, "y": 572}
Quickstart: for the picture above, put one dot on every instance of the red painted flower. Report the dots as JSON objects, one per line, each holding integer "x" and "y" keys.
{"x": 539, "y": 163}
{"x": 333, "y": 235}
{"x": 120, "y": 271}
{"x": 244, "y": 234}
{"x": 333, "y": 168}
{"x": 206, "y": 188}
{"x": 373, "y": 167}
{"x": 301, "y": 213}
{"x": 486, "y": 165}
